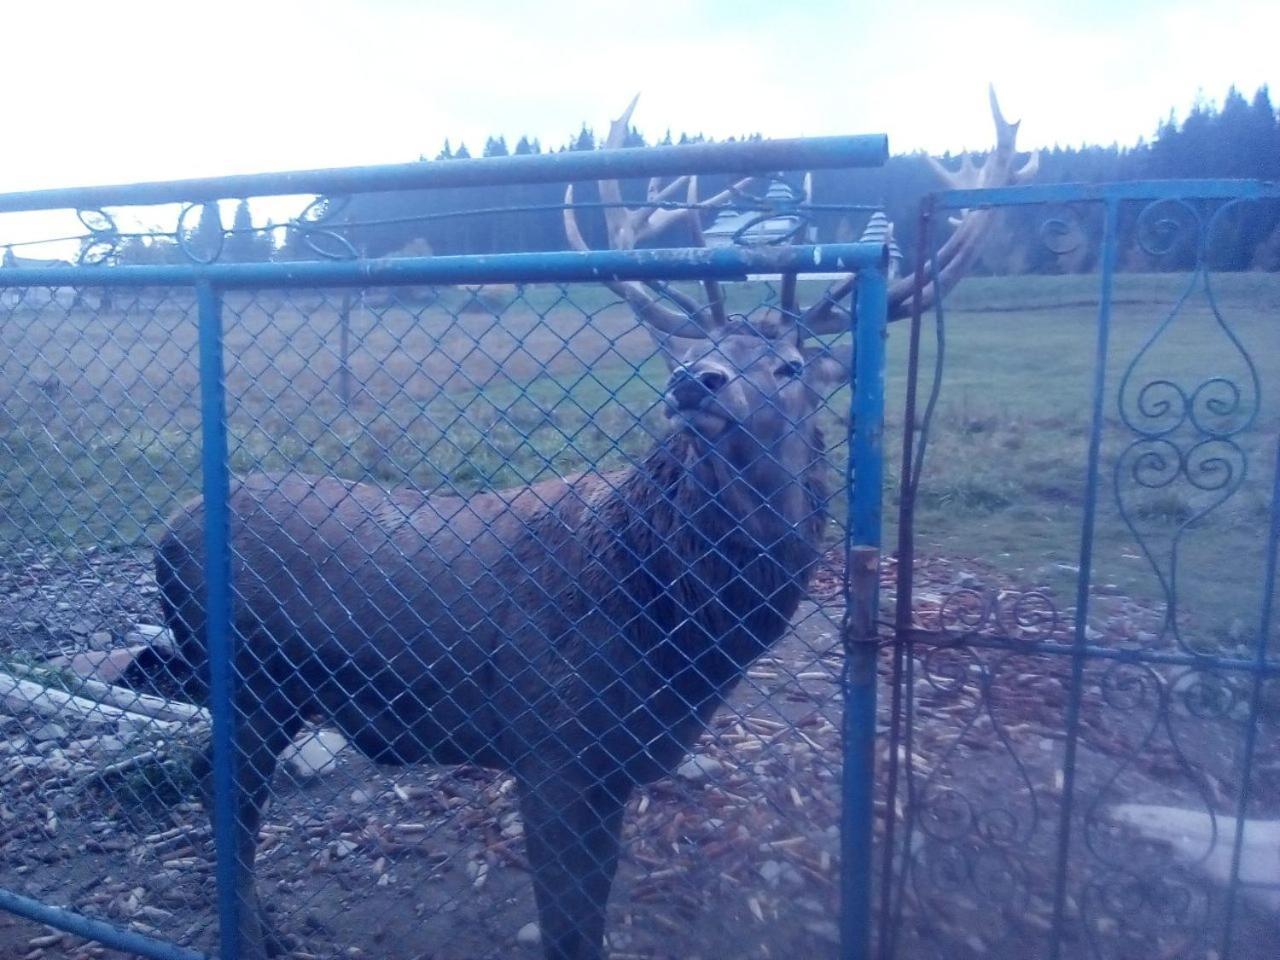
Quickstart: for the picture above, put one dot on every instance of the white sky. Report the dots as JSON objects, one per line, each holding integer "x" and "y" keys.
{"x": 98, "y": 92}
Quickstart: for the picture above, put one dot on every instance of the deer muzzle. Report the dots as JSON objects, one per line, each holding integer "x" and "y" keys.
{"x": 692, "y": 388}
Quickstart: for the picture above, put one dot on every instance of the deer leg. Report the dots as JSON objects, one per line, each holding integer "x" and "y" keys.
{"x": 572, "y": 833}
{"x": 260, "y": 737}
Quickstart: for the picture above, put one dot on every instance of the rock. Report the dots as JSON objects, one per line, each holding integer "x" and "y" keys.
{"x": 530, "y": 935}
{"x": 104, "y": 665}
{"x": 49, "y": 731}
{"x": 100, "y": 639}
{"x": 81, "y": 628}
{"x": 344, "y": 848}
{"x": 109, "y": 746}
{"x": 360, "y": 795}
{"x": 699, "y": 767}
{"x": 824, "y": 929}
{"x": 314, "y": 753}
{"x": 147, "y": 633}
{"x": 771, "y": 872}
{"x": 511, "y": 825}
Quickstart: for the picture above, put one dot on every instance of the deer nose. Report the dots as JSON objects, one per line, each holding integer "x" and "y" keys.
{"x": 689, "y": 387}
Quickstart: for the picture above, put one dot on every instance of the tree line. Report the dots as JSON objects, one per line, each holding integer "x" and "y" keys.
{"x": 1239, "y": 139}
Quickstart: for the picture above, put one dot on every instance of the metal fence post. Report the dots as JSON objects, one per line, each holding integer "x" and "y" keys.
{"x": 216, "y": 488}
{"x": 1255, "y": 710}
{"x": 1110, "y": 242}
{"x": 865, "y": 479}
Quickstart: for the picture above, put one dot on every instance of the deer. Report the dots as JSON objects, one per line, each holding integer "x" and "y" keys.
{"x": 578, "y": 633}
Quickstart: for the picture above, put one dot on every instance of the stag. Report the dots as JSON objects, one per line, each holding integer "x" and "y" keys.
{"x": 578, "y": 633}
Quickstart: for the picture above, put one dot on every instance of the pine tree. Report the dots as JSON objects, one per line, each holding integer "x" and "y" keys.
{"x": 1264, "y": 134}
{"x": 204, "y": 241}
{"x": 245, "y": 244}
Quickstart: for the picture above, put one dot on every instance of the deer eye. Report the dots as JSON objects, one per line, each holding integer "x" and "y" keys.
{"x": 790, "y": 369}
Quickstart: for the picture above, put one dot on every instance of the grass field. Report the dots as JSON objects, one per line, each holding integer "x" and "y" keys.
{"x": 1005, "y": 469}
{"x": 99, "y": 417}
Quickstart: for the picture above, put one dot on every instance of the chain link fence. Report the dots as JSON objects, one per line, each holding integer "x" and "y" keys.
{"x": 507, "y": 581}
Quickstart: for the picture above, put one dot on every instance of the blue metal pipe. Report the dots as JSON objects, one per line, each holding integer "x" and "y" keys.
{"x": 865, "y": 478}
{"x": 867, "y": 452}
{"x": 217, "y": 490}
{"x": 759, "y": 156}
{"x": 1091, "y": 651}
{"x": 725, "y": 263}
{"x": 105, "y": 933}
{"x": 1260, "y": 662}
{"x": 1126, "y": 190}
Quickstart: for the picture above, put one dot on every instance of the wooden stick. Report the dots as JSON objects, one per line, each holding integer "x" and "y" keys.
{"x": 127, "y": 700}
{"x": 19, "y": 696}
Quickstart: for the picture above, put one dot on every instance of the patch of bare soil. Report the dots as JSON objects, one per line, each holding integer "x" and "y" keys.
{"x": 734, "y": 855}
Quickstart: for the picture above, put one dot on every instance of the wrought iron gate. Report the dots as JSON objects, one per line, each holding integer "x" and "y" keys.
{"x": 1083, "y": 741}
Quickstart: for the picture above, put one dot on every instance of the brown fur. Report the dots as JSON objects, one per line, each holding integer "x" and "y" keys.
{"x": 578, "y": 632}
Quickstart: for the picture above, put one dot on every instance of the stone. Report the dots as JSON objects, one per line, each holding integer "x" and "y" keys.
{"x": 511, "y": 825}
{"x": 148, "y": 633}
{"x": 699, "y": 767}
{"x": 104, "y": 665}
{"x": 314, "y": 753}
{"x": 49, "y": 731}
{"x": 771, "y": 872}
{"x": 108, "y": 746}
{"x": 530, "y": 935}
{"x": 824, "y": 929}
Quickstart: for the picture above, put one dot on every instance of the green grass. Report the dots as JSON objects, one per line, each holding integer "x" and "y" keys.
{"x": 1005, "y": 471}
{"x": 99, "y": 417}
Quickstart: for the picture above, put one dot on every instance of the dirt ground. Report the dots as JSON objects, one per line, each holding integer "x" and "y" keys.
{"x": 736, "y": 857}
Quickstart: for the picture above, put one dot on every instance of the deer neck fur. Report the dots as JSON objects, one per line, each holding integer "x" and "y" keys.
{"x": 713, "y": 541}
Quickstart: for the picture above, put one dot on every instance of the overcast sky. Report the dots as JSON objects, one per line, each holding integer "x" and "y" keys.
{"x": 117, "y": 91}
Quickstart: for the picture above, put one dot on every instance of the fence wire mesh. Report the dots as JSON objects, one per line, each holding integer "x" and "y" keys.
{"x": 443, "y": 621}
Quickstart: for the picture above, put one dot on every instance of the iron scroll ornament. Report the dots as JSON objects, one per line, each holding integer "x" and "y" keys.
{"x": 1184, "y": 431}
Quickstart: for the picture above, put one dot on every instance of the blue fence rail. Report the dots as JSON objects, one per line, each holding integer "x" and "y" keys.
{"x": 1086, "y": 776}
{"x": 101, "y": 405}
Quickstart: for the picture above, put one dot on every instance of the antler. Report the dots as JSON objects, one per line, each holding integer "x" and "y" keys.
{"x": 667, "y": 312}
{"x": 971, "y": 230}
{"x": 679, "y": 315}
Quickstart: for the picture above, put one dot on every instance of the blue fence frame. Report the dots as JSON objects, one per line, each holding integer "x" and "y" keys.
{"x": 211, "y": 282}
{"x": 1168, "y": 210}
